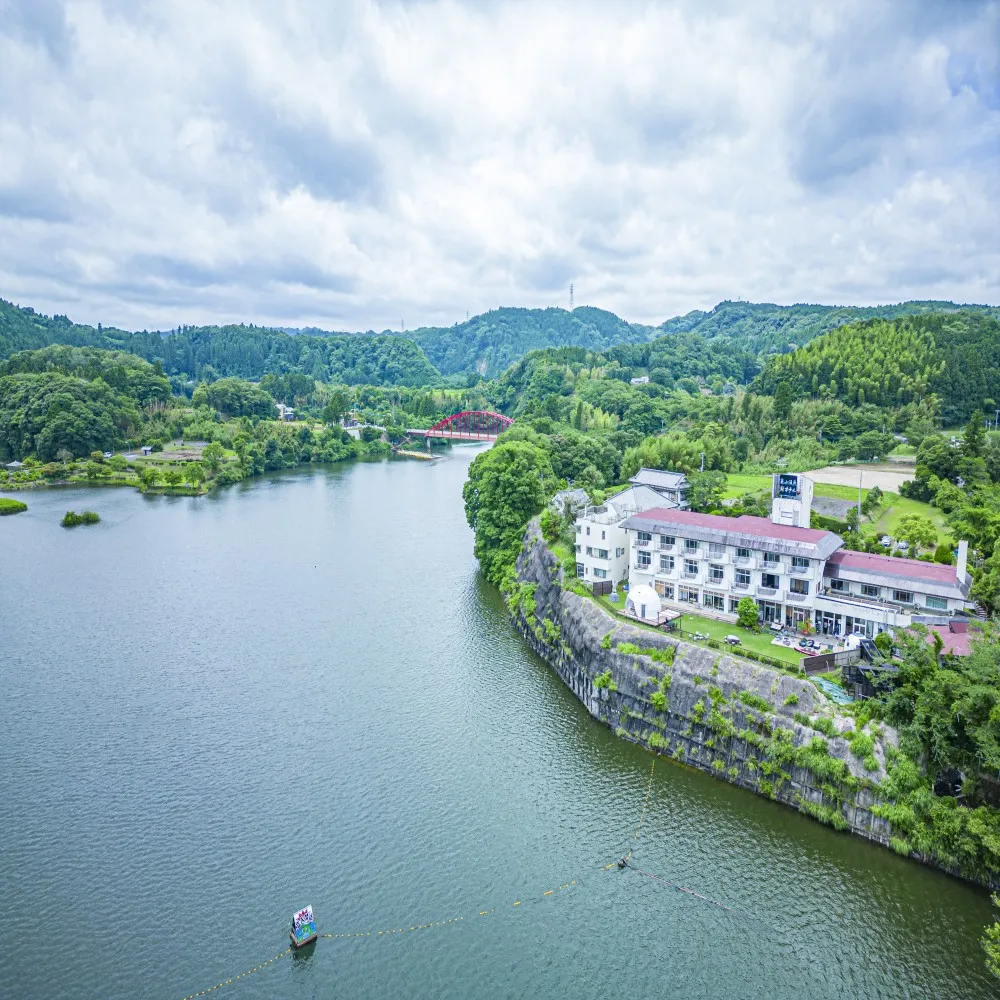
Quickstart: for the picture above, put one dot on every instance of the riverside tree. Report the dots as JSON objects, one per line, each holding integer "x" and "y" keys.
{"x": 507, "y": 486}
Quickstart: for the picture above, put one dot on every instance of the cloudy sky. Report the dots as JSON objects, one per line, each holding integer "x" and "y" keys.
{"x": 352, "y": 165}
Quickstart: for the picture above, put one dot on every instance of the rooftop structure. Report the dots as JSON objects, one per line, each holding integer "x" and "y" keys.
{"x": 672, "y": 486}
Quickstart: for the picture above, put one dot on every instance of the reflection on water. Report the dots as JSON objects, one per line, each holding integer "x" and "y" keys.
{"x": 217, "y": 710}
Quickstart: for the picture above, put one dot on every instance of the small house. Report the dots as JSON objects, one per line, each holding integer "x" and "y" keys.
{"x": 147, "y": 449}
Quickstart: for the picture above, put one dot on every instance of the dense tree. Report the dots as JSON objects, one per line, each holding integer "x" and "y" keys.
{"x": 507, "y": 486}
{"x": 235, "y": 397}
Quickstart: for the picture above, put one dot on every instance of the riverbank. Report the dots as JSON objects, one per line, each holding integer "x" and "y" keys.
{"x": 773, "y": 734}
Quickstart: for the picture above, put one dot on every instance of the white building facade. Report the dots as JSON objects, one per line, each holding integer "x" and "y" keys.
{"x": 602, "y": 546}
{"x": 794, "y": 574}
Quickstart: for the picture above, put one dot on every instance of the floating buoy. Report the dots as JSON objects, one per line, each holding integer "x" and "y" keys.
{"x": 303, "y": 930}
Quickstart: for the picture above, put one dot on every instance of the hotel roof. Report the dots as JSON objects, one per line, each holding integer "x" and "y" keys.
{"x": 892, "y": 571}
{"x": 744, "y": 531}
{"x": 659, "y": 479}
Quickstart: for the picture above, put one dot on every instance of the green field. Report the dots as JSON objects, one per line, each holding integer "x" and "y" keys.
{"x": 738, "y": 483}
{"x": 758, "y": 642}
{"x": 897, "y": 507}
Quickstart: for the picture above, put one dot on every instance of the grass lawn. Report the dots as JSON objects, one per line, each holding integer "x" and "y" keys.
{"x": 897, "y": 507}
{"x": 738, "y": 483}
{"x": 758, "y": 642}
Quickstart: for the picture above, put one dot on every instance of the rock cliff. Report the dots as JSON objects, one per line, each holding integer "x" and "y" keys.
{"x": 754, "y": 726}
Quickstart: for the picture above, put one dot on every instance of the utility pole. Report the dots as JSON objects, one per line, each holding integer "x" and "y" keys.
{"x": 860, "y": 476}
{"x": 571, "y": 296}
{"x": 702, "y": 469}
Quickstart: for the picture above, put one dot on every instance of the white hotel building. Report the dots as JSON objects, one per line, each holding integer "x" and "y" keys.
{"x": 793, "y": 572}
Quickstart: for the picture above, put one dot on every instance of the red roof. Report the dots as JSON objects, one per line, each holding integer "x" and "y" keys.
{"x": 744, "y": 524}
{"x": 869, "y": 562}
{"x": 954, "y": 642}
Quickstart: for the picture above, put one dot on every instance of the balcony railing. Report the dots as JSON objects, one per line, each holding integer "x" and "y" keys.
{"x": 772, "y": 567}
{"x": 641, "y": 544}
{"x": 746, "y": 562}
{"x": 689, "y": 576}
{"x": 871, "y": 602}
{"x": 794, "y": 595}
{"x": 741, "y": 586}
{"x": 664, "y": 547}
{"x": 767, "y": 591}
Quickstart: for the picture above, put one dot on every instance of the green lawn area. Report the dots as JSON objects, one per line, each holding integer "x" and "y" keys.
{"x": 897, "y": 507}
{"x": 738, "y": 483}
{"x": 758, "y": 642}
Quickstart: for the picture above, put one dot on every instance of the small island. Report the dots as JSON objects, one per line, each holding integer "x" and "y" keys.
{"x": 10, "y": 506}
{"x": 71, "y": 518}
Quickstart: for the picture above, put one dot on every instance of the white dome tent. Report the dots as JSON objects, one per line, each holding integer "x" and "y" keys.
{"x": 643, "y": 602}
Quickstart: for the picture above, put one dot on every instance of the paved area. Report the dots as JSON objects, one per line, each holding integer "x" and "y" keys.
{"x": 885, "y": 477}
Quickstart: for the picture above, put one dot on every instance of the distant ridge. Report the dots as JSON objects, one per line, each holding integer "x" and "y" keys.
{"x": 482, "y": 346}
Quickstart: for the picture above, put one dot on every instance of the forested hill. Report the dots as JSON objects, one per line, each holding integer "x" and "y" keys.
{"x": 485, "y": 345}
{"x": 764, "y": 328}
{"x": 490, "y": 343}
{"x": 244, "y": 351}
{"x": 954, "y": 356}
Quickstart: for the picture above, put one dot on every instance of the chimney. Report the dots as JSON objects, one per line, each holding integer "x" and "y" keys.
{"x": 963, "y": 561}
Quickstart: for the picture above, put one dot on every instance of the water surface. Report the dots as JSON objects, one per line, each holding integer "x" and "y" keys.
{"x": 216, "y": 710}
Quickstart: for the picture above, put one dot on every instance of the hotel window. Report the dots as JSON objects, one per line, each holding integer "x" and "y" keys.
{"x": 643, "y": 536}
{"x": 799, "y": 586}
{"x": 666, "y": 541}
{"x": 840, "y": 586}
{"x": 868, "y": 590}
{"x": 903, "y": 596}
{"x": 588, "y": 529}
{"x": 771, "y": 559}
{"x": 578, "y": 547}
{"x": 690, "y": 545}
{"x": 643, "y": 560}
{"x": 716, "y": 574}
{"x": 579, "y": 569}
{"x": 769, "y": 580}
{"x": 578, "y": 529}
{"x": 743, "y": 553}
{"x": 664, "y": 589}
{"x": 734, "y": 605}
{"x": 691, "y": 596}
{"x": 715, "y": 601}
{"x": 937, "y": 603}
{"x": 743, "y": 578}
{"x": 799, "y": 562}
{"x": 590, "y": 550}
{"x": 715, "y": 550}
{"x": 666, "y": 564}
{"x": 690, "y": 566}
{"x": 600, "y": 574}
{"x": 602, "y": 553}
{"x": 603, "y": 536}
{"x": 619, "y": 553}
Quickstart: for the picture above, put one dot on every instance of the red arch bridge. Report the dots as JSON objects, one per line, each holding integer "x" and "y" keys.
{"x": 469, "y": 425}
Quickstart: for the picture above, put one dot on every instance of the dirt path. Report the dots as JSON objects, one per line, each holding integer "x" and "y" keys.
{"x": 885, "y": 477}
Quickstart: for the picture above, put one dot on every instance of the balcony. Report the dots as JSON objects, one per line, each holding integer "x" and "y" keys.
{"x": 800, "y": 570}
{"x": 693, "y": 553}
{"x": 689, "y": 576}
{"x": 772, "y": 567}
{"x": 643, "y": 568}
{"x": 767, "y": 591}
{"x": 794, "y": 595}
{"x": 746, "y": 562}
{"x": 741, "y": 586}
{"x": 643, "y": 545}
{"x": 667, "y": 548}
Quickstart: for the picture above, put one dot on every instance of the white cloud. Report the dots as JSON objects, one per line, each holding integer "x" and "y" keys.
{"x": 189, "y": 162}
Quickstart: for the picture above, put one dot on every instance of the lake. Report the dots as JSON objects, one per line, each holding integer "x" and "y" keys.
{"x": 216, "y": 710}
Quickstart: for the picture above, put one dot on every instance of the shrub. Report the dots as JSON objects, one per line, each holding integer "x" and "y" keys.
{"x": 698, "y": 710}
{"x": 861, "y": 745}
{"x": 792, "y": 699}
{"x": 659, "y": 701}
{"x": 747, "y": 613}
{"x": 606, "y": 641}
{"x": 871, "y": 762}
{"x": 883, "y": 642}
{"x": 9, "y": 506}
{"x": 656, "y": 741}
{"x": 71, "y": 518}
{"x": 756, "y": 701}
{"x": 605, "y": 680}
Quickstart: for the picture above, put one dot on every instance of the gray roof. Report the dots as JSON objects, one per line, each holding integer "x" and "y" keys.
{"x": 658, "y": 479}
{"x": 899, "y": 574}
{"x": 575, "y": 498}
{"x": 744, "y": 532}
{"x": 635, "y": 499}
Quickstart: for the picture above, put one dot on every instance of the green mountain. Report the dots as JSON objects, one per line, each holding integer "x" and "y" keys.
{"x": 890, "y": 363}
{"x": 765, "y": 328}
{"x": 244, "y": 351}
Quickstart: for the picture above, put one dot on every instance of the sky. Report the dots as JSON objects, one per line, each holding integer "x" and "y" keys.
{"x": 362, "y": 165}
